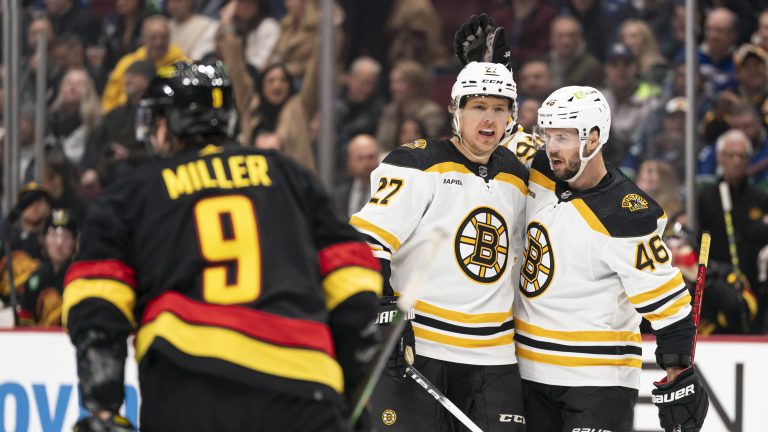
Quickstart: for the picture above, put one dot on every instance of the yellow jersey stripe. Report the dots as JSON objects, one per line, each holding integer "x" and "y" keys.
{"x": 236, "y": 348}
{"x": 579, "y": 336}
{"x": 364, "y": 225}
{"x": 345, "y": 282}
{"x": 671, "y": 310}
{"x": 447, "y": 314}
{"x": 514, "y": 181}
{"x": 675, "y": 282}
{"x": 446, "y": 167}
{"x": 117, "y": 293}
{"x": 569, "y": 361}
{"x": 589, "y": 216}
{"x": 541, "y": 180}
{"x": 422, "y": 333}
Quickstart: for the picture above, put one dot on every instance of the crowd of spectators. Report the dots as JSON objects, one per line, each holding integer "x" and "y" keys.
{"x": 394, "y": 70}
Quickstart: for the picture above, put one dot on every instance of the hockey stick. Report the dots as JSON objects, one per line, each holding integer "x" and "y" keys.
{"x": 698, "y": 292}
{"x": 725, "y": 200}
{"x": 406, "y": 301}
{"x": 444, "y": 401}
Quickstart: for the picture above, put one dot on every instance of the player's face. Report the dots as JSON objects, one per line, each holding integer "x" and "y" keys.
{"x": 563, "y": 151}
{"x": 483, "y": 120}
{"x": 59, "y": 244}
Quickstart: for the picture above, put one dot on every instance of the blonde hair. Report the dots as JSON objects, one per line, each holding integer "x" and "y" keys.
{"x": 649, "y": 54}
{"x": 90, "y": 104}
{"x": 667, "y": 194}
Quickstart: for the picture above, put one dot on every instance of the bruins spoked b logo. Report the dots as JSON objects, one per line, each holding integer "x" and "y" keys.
{"x": 539, "y": 264}
{"x": 482, "y": 245}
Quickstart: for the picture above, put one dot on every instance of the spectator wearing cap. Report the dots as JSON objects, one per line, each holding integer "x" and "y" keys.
{"x": 156, "y": 47}
{"x": 28, "y": 216}
{"x": 752, "y": 74}
{"x": 194, "y": 33}
{"x": 112, "y": 148}
{"x": 569, "y": 60}
{"x": 632, "y": 101}
{"x": 41, "y": 299}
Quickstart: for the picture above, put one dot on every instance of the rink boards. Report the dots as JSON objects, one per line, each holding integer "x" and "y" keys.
{"x": 38, "y": 388}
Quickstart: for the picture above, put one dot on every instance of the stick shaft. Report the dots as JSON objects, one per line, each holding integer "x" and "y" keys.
{"x": 698, "y": 292}
{"x": 440, "y": 397}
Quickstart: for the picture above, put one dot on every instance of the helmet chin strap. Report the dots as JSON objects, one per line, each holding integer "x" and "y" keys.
{"x": 584, "y": 160}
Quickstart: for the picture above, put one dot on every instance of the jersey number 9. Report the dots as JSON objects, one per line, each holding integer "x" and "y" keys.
{"x": 228, "y": 236}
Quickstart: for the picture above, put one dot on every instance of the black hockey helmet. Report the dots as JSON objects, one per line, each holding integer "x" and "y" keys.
{"x": 196, "y": 99}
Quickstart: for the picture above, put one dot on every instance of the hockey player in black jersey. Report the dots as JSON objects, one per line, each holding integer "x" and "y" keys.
{"x": 594, "y": 263}
{"x": 254, "y": 305}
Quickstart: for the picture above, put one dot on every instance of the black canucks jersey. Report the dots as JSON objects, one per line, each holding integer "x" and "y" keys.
{"x": 229, "y": 261}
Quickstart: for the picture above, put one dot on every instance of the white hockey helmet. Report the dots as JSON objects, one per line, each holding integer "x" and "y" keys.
{"x": 483, "y": 79}
{"x": 581, "y": 108}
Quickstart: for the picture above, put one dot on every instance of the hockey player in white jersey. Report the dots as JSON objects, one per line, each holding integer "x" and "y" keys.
{"x": 594, "y": 263}
{"x": 474, "y": 189}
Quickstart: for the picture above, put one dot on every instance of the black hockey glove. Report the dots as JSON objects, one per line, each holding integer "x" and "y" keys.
{"x": 115, "y": 423}
{"x": 682, "y": 402}
{"x": 479, "y": 40}
{"x": 396, "y": 363}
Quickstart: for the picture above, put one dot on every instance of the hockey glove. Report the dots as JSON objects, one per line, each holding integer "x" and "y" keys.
{"x": 93, "y": 423}
{"x": 682, "y": 402}
{"x": 396, "y": 363}
{"x": 479, "y": 40}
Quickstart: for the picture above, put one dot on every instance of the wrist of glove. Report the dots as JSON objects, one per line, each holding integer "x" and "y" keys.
{"x": 397, "y": 361}
{"x": 95, "y": 423}
{"x": 480, "y": 41}
{"x": 682, "y": 402}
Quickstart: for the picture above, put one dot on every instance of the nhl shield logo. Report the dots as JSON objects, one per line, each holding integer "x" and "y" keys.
{"x": 481, "y": 245}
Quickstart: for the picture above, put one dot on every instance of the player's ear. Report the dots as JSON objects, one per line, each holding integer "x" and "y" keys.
{"x": 593, "y": 140}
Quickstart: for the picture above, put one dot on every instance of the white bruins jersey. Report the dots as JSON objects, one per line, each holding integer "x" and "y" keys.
{"x": 594, "y": 263}
{"x": 464, "y": 310}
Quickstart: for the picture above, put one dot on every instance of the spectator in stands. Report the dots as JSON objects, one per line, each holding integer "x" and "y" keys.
{"x": 715, "y": 54}
{"x": 156, "y": 48}
{"x": 724, "y": 310}
{"x": 569, "y": 60}
{"x": 632, "y": 101}
{"x": 112, "y": 148}
{"x": 362, "y": 158}
{"x": 32, "y": 209}
{"x": 60, "y": 180}
{"x": 669, "y": 144}
{"x": 599, "y": 20}
{"x": 752, "y": 75}
{"x": 359, "y": 106}
{"x": 299, "y": 33}
{"x": 408, "y": 85}
{"x": 194, "y": 33}
{"x": 415, "y": 32}
{"x": 410, "y": 130}
{"x": 659, "y": 15}
{"x": 42, "y": 298}
{"x": 260, "y": 100}
{"x": 121, "y": 33}
{"x": 749, "y": 205}
{"x": 659, "y": 180}
{"x": 38, "y": 26}
{"x": 67, "y": 53}
{"x": 637, "y": 35}
{"x": 528, "y": 113}
{"x": 524, "y": 22}
{"x": 74, "y": 114}
{"x": 534, "y": 80}
{"x": 252, "y": 20}
{"x": 760, "y": 37}
{"x": 70, "y": 17}
{"x": 743, "y": 117}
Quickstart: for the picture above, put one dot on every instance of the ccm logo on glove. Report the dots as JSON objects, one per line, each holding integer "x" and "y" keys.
{"x": 670, "y": 397}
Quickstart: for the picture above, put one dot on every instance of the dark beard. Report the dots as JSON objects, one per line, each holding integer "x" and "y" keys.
{"x": 570, "y": 170}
